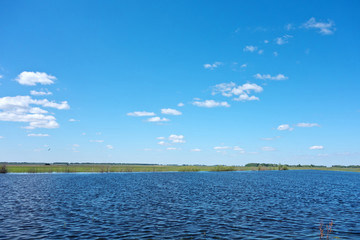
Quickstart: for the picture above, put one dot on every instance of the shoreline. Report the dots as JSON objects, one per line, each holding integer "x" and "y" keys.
{"x": 111, "y": 168}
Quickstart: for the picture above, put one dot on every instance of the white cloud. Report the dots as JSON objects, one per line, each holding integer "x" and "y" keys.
{"x": 266, "y": 41}
{"x": 268, "y": 76}
{"x": 210, "y": 104}
{"x": 75, "y": 147}
{"x": 276, "y": 54}
{"x": 97, "y": 141}
{"x": 195, "y": 150}
{"x": 239, "y": 149}
{"x": 241, "y": 92}
{"x": 282, "y": 40}
{"x": 221, "y": 148}
{"x": 19, "y": 109}
{"x": 162, "y": 143}
{"x": 38, "y": 135}
{"x": 307, "y": 125}
{"x": 285, "y": 127}
{"x": 176, "y": 138}
{"x": 110, "y": 147}
{"x": 260, "y": 51}
{"x": 250, "y": 48}
{"x": 170, "y": 111}
{"x": 32, "y": 78}
{"x": 170, "y": 148}
{"x": 268, "y": 149}
{"x": 157, "y": 119}
{"x": 289, "y": 26}
{"x": 316, "y": 147}
{"x": 141, "y": 114}
{"x": 160, "y": 138}
{"x": 23, "y": 102}
{"x": 1, "y": 76}
{"x": 40, "y": 93}
{"x": 73, "y": 120}
{"x": 212, "y": 66}
{"x": 270, "y": 139}
{"x": 243, "y": 65}
{"x": 246, "y": 97}
{"x": 325, "y": 28}
{"x": 180, "y": 104}
{"x": 1, "y": 137}
{"x": 37, "y": 110}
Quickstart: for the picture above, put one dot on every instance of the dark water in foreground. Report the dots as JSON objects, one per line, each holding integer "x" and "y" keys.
{"x": 203, "y": 205}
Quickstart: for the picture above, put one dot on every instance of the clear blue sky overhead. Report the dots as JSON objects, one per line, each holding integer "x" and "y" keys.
{"x": 180, "y": 82}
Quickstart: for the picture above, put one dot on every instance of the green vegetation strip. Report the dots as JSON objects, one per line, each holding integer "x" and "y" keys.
{"x": 103, "y": 168}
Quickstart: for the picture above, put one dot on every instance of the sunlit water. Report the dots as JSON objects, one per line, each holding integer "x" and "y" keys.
{"x": 202, "y": 205}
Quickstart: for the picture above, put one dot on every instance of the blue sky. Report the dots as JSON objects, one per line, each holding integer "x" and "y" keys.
{"x": 205, "y": 82}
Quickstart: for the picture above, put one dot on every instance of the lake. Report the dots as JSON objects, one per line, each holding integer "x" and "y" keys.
{"x": 180, "y": 205}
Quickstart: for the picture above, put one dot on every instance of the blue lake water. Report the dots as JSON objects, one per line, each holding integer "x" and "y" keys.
{"x": 179, "y": 205}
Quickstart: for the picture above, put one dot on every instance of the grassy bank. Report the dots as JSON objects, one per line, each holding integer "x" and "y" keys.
{"x": 99, "y": 168}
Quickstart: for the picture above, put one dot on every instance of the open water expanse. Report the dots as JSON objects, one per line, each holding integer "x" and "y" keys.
{"x": 179, "y": 205}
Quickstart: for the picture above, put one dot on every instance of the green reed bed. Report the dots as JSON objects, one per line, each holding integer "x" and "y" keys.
{"x": 104, "y": 168}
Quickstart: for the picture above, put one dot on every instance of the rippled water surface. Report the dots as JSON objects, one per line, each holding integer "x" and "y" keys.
{"x": 202, "y": 205}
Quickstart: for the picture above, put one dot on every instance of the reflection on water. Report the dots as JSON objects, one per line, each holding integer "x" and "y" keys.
{"x": 200, "y": 205}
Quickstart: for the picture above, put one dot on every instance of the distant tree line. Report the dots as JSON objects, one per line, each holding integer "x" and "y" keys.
{"x": 281, "y": 165}
{"x": 350, "y": 166}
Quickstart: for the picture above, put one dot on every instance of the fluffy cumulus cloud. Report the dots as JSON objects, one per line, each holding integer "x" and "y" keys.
{"x": 157, "y": 119}
{"x": 325, "y": 28}
{"x": 282, "y": 40}
{"x": 285, "y": 127}
{"x": 212, "y": 66}
{"x": 307, "y": 125}
{"x": 21, "y": 109}
{"x": 250, "y": 48}
{"x": 170, "y": 111}
{"x": 240, "y": 92}
{"x": 96, "y": 141}
{"x": 141, "y": 114}
{"x": 38, "y": 135}
{"x": 180, "y": 104}
{"x": 316, "y": 147}
{"x": 210, "y": 104}
{"x": 33, "y": 78}
{"x": 173, "y": 138}
{"x": 40, "y": 93}
{"x": 269, "y": 77}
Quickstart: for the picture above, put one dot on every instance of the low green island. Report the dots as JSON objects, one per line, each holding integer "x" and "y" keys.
{"x": 64, "y": 167}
